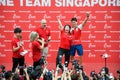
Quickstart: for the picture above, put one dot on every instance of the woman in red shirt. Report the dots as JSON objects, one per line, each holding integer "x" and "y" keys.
{"x": 65, "y": 42}
{"x": 37, "y": 46}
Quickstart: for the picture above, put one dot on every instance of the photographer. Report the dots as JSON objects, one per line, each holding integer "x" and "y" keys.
{"x": 2, "y": 72}
{"x": 8, "y": 75}
{"x": 78, "y": 72}
{"x": 66, "y": 74}
{"x": 80, "y": 75}
{"x": 16, "y": 75}
{"x": 104, "y": 74}
{"x": 36, "y": 73}
{"x": 47, "y": 74}
{"x": 118, "y": 74}
{"x": 56, "y": 75}
{"x": 93, "y": 75}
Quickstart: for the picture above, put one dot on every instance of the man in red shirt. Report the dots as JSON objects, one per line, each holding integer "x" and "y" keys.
{"x": 44, "y": 32}
{"x": 76, "y": 42}
{"x": 17, "y": 48}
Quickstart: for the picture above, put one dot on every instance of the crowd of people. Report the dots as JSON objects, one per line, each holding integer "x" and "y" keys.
{"x": 70, "y": 42}
{"x": 41, "y": 72}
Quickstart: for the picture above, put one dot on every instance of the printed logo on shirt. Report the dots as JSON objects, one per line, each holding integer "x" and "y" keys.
{"x": 76, "y": 29}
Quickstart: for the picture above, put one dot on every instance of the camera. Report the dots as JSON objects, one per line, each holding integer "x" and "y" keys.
{"x": 2, "y": 72}
{"x": 29, "y": 70}
{"x": 104, "y": 70}
{"x": 118, "y": 71}
{"x": 66, "y": 64}
{"x": 76, "y": 65}
{"x": 36, "y": 73}
{"x": 21, "y": 67}
{"x": 93, "y": 74}
{"x": 2, "y": 68}
{"x": 1, "y": 75}
{"x": 48, "y": 75}
{"x": 42, "y": 60}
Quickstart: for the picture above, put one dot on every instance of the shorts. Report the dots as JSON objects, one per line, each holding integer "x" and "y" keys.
{"x": 77, "y": 48}
{"x": 45, "y": 51}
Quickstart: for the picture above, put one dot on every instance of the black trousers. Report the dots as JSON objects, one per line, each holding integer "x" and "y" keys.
{"x": 35, "y": 64}
{"x": 62, "y": 52}
{"x": 17, "y": 61}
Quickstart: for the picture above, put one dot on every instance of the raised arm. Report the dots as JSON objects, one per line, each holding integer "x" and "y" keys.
{"x": 86, "y": 19}
{"x": 63, "y": 76}
{"x": 69, "y": 75}
{"x": 44, "y": 70}
{"x": 60, "y": 23}
{"x": 26, "y": 74}
{"x": 80, "y": 75}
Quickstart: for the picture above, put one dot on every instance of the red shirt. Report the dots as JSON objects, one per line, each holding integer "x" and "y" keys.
{"x": 77, "y": 35}
{"x": 43, "y": 33}
{"x": 41, "y": 79}
{"x": 36, "y": 51}
{"x": 65, "y": 41}
{"x": 15, "y": 42}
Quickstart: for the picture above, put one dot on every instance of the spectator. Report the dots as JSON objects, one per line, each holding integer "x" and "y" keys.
{"x": 118, "y": 74}
{"x": 93, "y": 75}
{"x": 8, "y": 75}
{"x": 104, "y": 74}
{"x": 16, "y": 77}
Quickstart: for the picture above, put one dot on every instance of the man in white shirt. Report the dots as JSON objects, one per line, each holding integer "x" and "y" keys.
{"x": 76, "y": 42}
